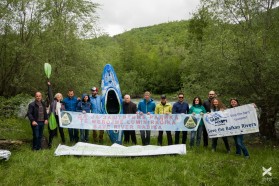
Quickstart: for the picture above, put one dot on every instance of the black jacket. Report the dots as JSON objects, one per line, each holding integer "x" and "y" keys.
{"x": 129, "y": 108}
{"x": 33, "y": 111}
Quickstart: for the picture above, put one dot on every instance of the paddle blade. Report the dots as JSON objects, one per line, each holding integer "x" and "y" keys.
{"x": 47, "y": 70}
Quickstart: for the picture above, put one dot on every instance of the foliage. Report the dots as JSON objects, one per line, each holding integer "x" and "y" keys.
{"x": 232, "y": 49}
{"x": 34, "y": 32}
{"x": 11, "y": 107}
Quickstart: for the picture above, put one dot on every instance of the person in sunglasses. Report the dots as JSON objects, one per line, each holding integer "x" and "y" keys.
{"x": 180, "y": 107}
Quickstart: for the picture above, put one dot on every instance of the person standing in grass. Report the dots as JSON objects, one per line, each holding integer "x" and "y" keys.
{"x": 146, "y": 106}
{"x": 84, "y": 106}
{"x": 70, "y": 105}
{"x": 129, "y": 108}
{"x": 238, "y": 139}
{"x": 56, "y": 104}
{"x": 217, "y": 105}
{"x": 38, "y": 118}
{"x": 207, "y": 106}
{"x": 164, "y": 108}
{"x": 180, "y": 107}
{"x": 95, "y": 100}
{"x": 197, "y": 108}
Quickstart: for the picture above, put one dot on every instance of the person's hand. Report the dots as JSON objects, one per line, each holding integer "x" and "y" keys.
{"x": 254, "y": 105}
{"x": 201, "y": 113}
{"x": 78, "y": 98}
{"x": 167, "y": 113}
{"x": 148, "y": 113}
{"x": 46, "y": 122}
{"x": 84, "y": 112}
{"x": 48, "y": 83}
{"x": 193, "y": 113}
{"x": 34, "y": 123}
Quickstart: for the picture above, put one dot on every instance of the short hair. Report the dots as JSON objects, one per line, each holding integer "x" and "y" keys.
{"x": 57, "y": 94}
{"x": 180, "y": 93}
{"x": 147, "y": 92}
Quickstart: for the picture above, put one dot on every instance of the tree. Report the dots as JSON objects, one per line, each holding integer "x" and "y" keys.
{"x": 34, "y": 32}
{"x": 247, "y": 44}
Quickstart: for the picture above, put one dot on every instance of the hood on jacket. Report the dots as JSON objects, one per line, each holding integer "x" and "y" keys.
{"x": 83, "y": 95}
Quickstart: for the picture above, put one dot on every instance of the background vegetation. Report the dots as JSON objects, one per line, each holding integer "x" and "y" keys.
{"x": 228, "y": 46}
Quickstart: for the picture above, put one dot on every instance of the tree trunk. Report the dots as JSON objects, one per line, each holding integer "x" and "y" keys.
{"x": 267, "y": 120}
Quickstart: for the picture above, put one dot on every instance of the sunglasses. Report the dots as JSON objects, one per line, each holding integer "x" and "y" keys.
{"x": 180, "y": 97}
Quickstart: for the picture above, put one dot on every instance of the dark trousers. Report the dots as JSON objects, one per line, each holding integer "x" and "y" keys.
{"x": 95, "y": 136}
{"x": 127, "y": 134}
{"x": 37, "y": 135}
{"x": 53, "y": 133}
{"x": 225, "y": 139}
{"x": 205, "y": 137}
{"x": 73, "y": 133}
{"x": 145, "y": 137}
{"x": 160, "y": 137}
{"x": 177, "y": 136}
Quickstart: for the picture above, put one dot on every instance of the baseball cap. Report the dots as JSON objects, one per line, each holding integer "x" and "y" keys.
{"x": 163, "y": 96}
{"x": 94, "y": 89}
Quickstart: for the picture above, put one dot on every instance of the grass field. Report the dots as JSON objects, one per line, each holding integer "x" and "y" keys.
{"x": 199, "y": 166}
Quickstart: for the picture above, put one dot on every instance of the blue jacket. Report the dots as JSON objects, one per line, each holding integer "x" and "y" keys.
{"x": 96, "y": 104}
{"x": 84, "y": 106}
{"x": 145, "y": 107}
{"x": 179, "y": 108}
{"x": 70, "y": 104}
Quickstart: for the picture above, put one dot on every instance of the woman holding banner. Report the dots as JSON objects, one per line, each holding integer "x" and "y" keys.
{"x": 197, "y": 108}
{"x": 217, "y": 105}
{"x": 238, "y": 139}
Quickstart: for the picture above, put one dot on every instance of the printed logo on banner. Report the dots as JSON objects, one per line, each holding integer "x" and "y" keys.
{"x": 66, "y": 118}
{"x": 216, "y": 119}
{"x": 190, "y": 122}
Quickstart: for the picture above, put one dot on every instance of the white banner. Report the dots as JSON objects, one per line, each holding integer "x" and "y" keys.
{"x": 233, "y": 121}
{"x": 157, "y": 122}
{"x": 86, "y": 149}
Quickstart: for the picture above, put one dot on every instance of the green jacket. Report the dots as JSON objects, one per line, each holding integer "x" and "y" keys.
{"x": 163, "y": 109}
{"x": 197, "y": 109}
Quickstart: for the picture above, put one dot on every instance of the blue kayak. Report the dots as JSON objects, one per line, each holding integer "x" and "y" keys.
{"x": 111, "y": 99}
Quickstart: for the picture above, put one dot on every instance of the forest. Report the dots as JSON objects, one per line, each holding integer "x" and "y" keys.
{"x": 227, "y": 46}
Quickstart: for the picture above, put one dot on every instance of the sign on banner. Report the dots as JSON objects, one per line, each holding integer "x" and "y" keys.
{"x": 86, "y": 149}
{"x": 233, "y": 121}
{"x": 157, "y": 122}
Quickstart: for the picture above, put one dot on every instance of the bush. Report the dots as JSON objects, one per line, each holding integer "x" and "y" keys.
{"x": 14, "y": 106}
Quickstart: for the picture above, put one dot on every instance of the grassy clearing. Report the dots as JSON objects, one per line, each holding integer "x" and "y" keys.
{"x": 199, "y": 167}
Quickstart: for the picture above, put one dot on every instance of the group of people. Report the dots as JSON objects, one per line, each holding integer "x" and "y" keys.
{"x": 38, "y": 116}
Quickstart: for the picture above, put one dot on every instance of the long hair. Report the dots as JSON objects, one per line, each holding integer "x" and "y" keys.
{"x": 200, "y": 101}
{"x": 234, "y": 100}
{"x": 219, "y": 106}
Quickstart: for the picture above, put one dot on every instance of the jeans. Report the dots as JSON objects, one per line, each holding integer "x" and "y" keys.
{"x": 37, "y": 135}
{"x": 73, "y": 133}
{"x": 127, "y": 134}
{"x": 160, "y": 137}
{"x": 214, "y": 143}
{"x": 145, "y": 137}
{"x": 238, "y": 139}
{"x": 177, "y": 135}
{"x": 193, "y": 134}
{"x": 84, "y": 135}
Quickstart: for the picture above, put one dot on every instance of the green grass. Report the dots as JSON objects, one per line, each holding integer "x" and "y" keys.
{"x": 199, "y": 166}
